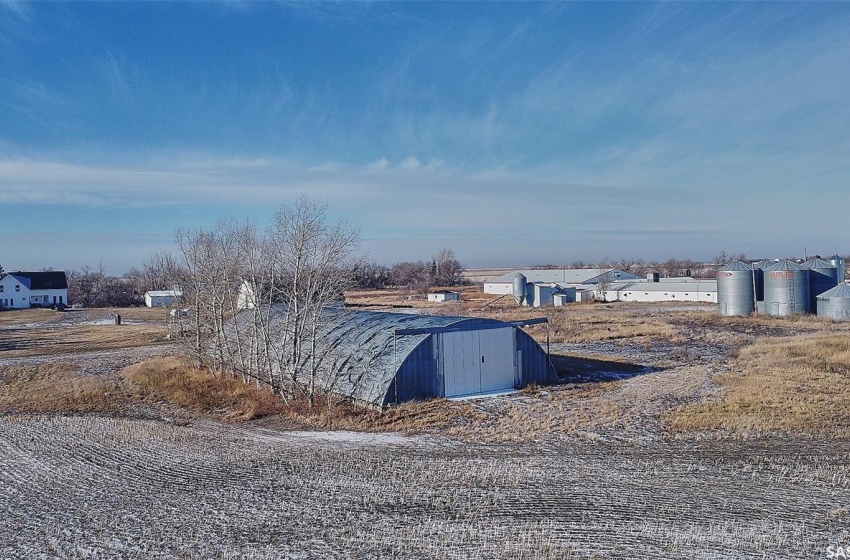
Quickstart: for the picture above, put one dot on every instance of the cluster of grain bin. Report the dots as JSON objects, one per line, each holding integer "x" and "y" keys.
{"x": 782, "y": 288}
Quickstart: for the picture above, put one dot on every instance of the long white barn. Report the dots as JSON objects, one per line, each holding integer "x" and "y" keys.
{"x": 20, "y": 290}
{"x": 668, "y": 289}
{"x": 503, "y": 284}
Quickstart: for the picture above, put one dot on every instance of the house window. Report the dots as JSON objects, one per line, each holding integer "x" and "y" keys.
{"x": 2, "y": 287}
{"x": 17, "y": 287}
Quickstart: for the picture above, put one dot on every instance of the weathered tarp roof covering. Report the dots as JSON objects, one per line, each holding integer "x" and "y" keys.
{"x": 374, "y": 353}
{"x": 364, "y": 351}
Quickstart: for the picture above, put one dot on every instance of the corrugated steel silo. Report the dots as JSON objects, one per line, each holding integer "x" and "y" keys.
{"x": 823, "y": 276}
{"x": 758, "y": 268}
{"x": 735, "y": 289}
{"x": 786, "y": 289}
{"x": 520, "y": 283}
{"x": 835, "y": 303}
{"x": 838, "y": 262}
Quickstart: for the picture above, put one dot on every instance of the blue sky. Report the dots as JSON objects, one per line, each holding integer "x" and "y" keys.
{"x": 514, "y": 133}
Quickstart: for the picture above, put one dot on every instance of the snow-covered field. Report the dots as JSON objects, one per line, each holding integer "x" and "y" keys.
{"x": 91, "y": 487}
{"x": 566, "y": 473}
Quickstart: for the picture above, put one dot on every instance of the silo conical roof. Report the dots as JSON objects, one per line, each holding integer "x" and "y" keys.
{"x": 784, "y": 264}
{"x": 841, "y": 291}
{"x": 816, "y": 263}
{"x": 735, "y": 265}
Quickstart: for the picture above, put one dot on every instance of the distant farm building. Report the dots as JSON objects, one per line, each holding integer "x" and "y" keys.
{"x": 388, "y": 358}
{"x": 163, "y": 298}
{"x": 443, "y": 295}
{"x": 662, "y": 289}
{"x": 20, "y": 290}
{"x": 560, "y": 277}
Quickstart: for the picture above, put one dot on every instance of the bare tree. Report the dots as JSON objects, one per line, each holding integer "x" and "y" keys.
{"x": 447, "y": 269}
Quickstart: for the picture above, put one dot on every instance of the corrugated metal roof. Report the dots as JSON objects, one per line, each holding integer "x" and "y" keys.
{"x": 735, "y": 265}
{"x": 567, "y": 275}
{"x": 784, "y": 264}
{"x": 840, "y": 291}
{"x": 816, "y": 263}
{"x": 164, "y": 293}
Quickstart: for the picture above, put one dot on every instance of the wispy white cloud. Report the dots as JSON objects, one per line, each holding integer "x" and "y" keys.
{"x": 17, "y": 8}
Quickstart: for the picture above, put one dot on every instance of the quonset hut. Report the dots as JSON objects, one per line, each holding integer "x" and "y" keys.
{"x": 383, "y": 358}
{"x": 396, "y": 357}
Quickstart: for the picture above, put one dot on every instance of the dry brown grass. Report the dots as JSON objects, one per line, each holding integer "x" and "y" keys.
{"x": 170, "y": 380}
{"x": 156, "y": 315}
{"x": 14, "y": 317}
{"x": 756, "y": 324}
{"x": 788, "y": 385}
{"x": 472, "y": 297}
{"x": 70, "y": 339}
{"x": 57, "y": 388}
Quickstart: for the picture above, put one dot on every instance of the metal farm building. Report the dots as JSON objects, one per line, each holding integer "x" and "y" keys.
{"x": 400, "y": 357}
{"x": 388, "y": 358}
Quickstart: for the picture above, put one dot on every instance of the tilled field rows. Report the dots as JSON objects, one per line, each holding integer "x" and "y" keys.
{"x": 97, "y": 488}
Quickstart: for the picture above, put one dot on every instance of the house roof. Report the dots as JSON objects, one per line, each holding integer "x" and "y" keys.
{"x": 564, "y": 275}
{"x": 48, "y": 280}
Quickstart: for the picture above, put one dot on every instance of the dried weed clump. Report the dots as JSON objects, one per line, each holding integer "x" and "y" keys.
{"x": 786, "y": 385}
{"x": 171, "y": 381}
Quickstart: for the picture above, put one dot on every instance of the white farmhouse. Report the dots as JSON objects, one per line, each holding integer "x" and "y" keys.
{"x": 162, "y": 298}
{"x": 443, "y": 295}
{"x": 20, "y": 290}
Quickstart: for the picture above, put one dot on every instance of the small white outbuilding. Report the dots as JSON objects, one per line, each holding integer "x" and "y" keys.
{"x": 162, "y": 298}
{"x": 443, "y": 295}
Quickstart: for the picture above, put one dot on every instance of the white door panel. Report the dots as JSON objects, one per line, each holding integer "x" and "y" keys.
{"x": 497, "y": 366}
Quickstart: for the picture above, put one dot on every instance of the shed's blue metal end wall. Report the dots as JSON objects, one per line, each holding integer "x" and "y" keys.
{"x": 536, "y": 367}
{"x": 418, "y": 376}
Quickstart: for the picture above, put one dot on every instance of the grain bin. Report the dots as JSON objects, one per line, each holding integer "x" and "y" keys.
{"x": 520, "y": 285}
{"x": 735, "y": 289}
{"x": 835, "y": 303}
{"x": 823, "y": 276}
{"x": 838, "y": 262}
{"x": 758, "y": 271}
{"x": 786, "y": 289}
